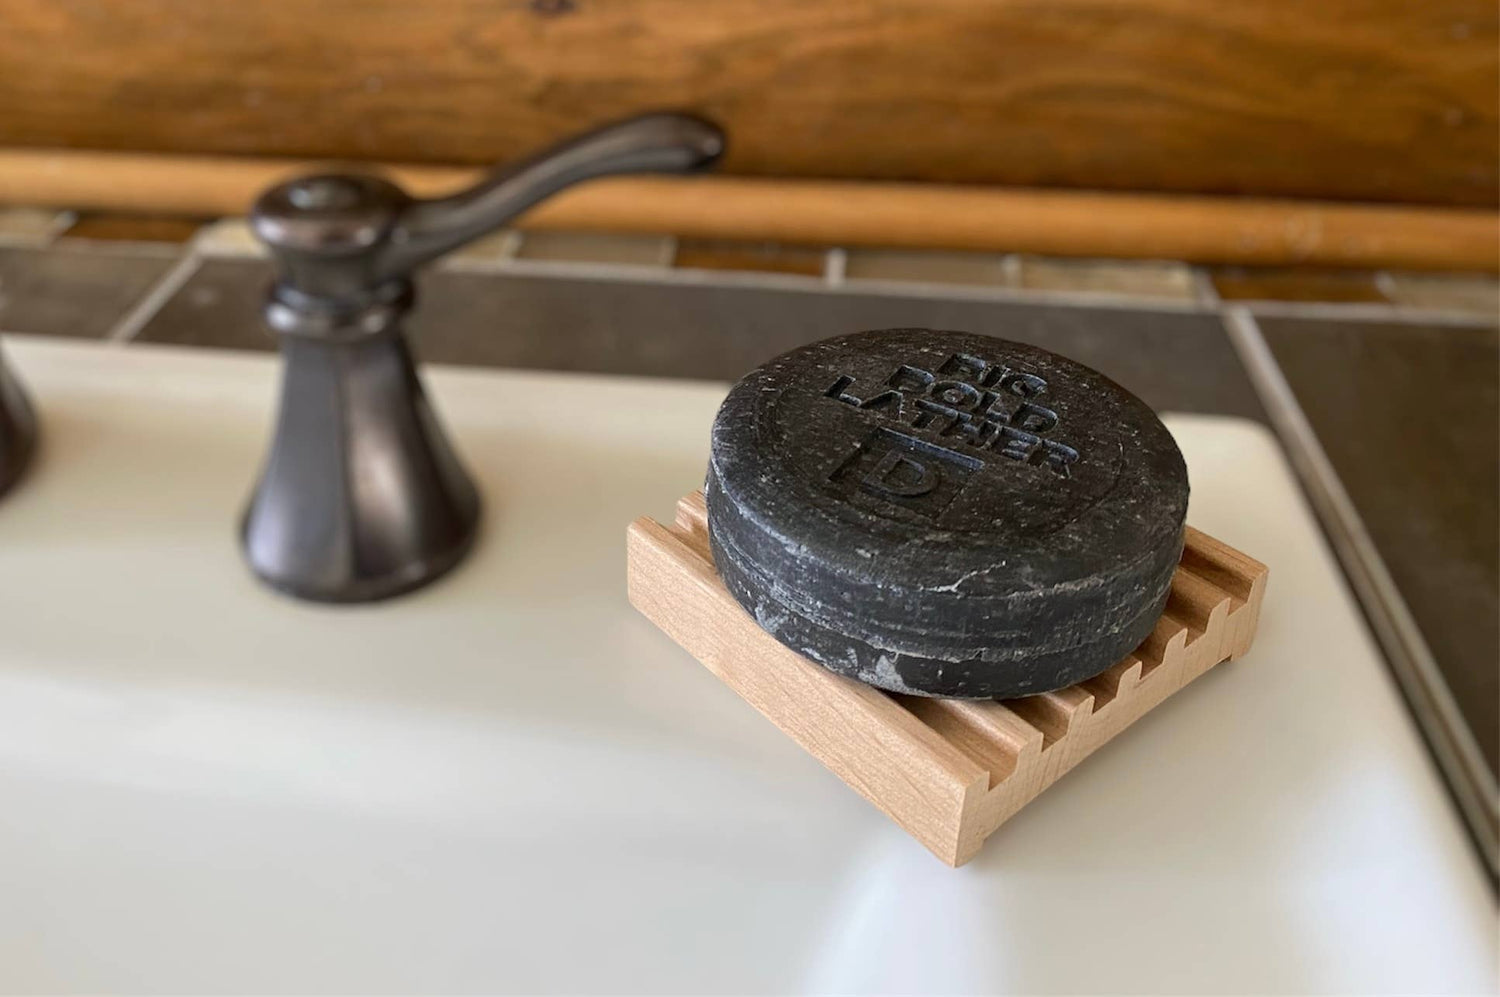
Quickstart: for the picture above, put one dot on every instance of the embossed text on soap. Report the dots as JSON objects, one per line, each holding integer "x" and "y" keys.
{"x": 967, "y": 401}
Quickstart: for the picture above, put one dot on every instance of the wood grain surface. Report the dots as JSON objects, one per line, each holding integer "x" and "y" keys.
{"x": 1346, "y": 99}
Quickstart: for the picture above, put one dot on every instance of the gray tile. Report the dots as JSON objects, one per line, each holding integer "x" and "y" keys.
{"x": 1410, "y": 418}
{"x": 219, "y": 305}
{"x": 132, "y": 228}
{"x": 74, "y": 292}
{"x": 229, "y": 237}
{"x": 919, "y": 266}
{"x": 32, "y": 226}
{"x": 1174, "y": 360}
{"x": 757, "y": 257}
{"x": 1132, "y": 278}
{"x": 1296, "y": 284}
{"x": 1476, "y": 294}
{"x": 596, "y": 247}
{"x": 487, "y": 250}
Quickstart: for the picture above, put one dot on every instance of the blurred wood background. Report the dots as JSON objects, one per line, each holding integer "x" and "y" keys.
{"x": 1369, "y": 100}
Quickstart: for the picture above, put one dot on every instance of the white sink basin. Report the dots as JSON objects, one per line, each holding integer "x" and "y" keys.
{"x": 511, "y": 781}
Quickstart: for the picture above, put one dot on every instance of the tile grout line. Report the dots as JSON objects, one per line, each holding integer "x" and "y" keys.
{"x": 670, "y": 245}
{"x": 133, "y": 321}
{"x": 767, "y": 281}
{"x": 1204, "y": 299}
{"x": 510, "y": 246}
{"x": 835, "y": 266}
{"x": 1361, "y": 311}
{"x": 1011, "y": 269}
{"x": 1454, "y": 749}
{"x": 1204, "y": 291}
{"x": 61, "y": 222}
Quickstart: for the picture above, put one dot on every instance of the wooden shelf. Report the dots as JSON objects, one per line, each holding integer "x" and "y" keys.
{"x": 948, "y": 771}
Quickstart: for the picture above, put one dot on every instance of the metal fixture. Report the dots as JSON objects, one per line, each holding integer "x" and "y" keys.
{"x": 17, "y": 430}
{"x": 361, "y": 497}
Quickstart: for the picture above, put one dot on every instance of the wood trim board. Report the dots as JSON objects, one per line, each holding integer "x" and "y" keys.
{"x": 1255, "y": 232}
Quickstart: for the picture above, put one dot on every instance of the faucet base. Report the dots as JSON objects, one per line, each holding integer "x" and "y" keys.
{"x": 408, "y": 578}
{"x": 361, "y": 497}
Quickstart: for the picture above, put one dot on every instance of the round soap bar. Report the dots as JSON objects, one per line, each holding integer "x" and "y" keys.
{"x": 943, "y": 513}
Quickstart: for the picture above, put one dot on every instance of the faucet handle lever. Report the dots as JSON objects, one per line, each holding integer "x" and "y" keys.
{"x": 649, "y": 143}
{"x": 341, "y": 236}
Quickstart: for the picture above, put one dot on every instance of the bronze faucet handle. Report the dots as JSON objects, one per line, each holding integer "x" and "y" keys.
{"x": 340, "y": 236}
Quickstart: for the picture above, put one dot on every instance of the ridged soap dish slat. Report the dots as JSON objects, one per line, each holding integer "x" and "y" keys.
{"x": 948, "y": 771}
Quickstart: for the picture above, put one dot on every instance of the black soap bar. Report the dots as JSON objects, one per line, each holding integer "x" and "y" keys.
{"x": 943, "y": 513}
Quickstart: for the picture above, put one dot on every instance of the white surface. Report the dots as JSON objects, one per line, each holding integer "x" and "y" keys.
{"x": 513, "y": 782}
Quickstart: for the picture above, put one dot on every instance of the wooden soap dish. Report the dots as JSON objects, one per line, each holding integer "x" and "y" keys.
{"x": 948, "y": 771}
